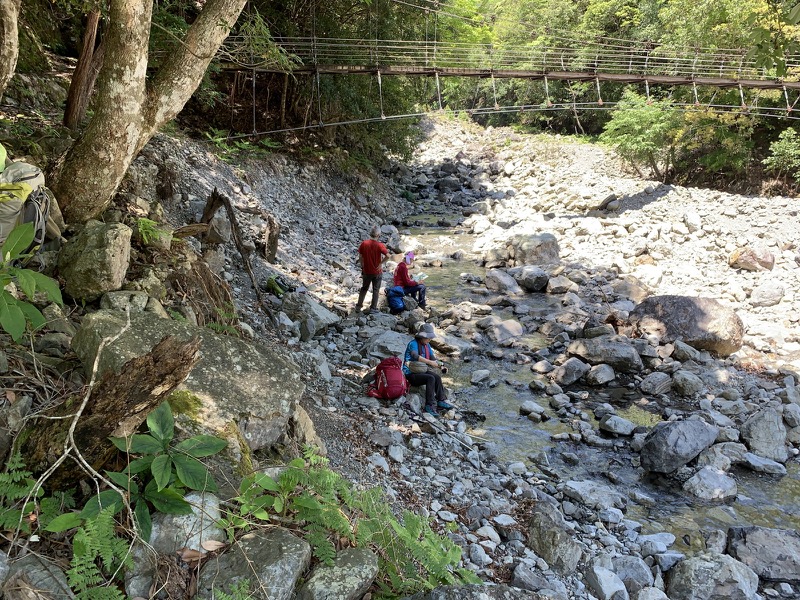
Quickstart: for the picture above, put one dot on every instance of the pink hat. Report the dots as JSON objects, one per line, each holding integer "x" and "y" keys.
{"x": 409, "y": 257}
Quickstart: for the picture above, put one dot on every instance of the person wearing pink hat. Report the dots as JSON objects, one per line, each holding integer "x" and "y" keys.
{"x": 410, "y": 287}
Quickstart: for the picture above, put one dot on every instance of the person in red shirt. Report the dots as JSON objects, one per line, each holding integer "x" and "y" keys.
{"x": 410, "y": 287}
{"x": 371, "y": 254}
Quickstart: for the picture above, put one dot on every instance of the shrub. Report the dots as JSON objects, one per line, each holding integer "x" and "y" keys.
{"x": 784, "y": 158}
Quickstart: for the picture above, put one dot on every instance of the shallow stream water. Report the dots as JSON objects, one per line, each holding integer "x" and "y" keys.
{"x": 763, "y": 500}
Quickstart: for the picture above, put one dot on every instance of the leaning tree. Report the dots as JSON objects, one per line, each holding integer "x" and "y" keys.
{"x": 130, "y": 107}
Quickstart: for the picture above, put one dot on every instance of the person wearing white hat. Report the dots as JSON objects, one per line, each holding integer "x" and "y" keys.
{"x": 410, "y": 287}
{"x": 417, "y": 364}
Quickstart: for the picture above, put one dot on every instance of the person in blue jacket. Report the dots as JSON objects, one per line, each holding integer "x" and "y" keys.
{"x": 417, "y": 364}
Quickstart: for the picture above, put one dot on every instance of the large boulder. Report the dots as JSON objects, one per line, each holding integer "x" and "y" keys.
{"x": 774, "y": 554}
{"x": 712, "y": 576}
{"x": 702, "y": 323}
{"x": 711, "y": 484}
{"x": 272, "y": 561}
{"x": 499, "y": 281}
{"x": 96, "y": 260}
{"x": 531, "y": 278}
{"x": 550, "y": 538}
{"x": 385, "y": 344}
{"x": 348, "y": 578}
{"x": 614, "y": 350}
{"x": 765, "y": 435}
{"x": 594, "y": 494}
{"x": 500, "y": 330}
{"x": 304, "y": 309}
{"x": 526, "y": 249}
{"x": 239, "y": 390}
{"x": 671, "y": 445}
{"x": 752, "y": 259}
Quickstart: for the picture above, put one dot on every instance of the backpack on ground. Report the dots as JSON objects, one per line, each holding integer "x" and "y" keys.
{"x": 394, "y": 298}
{"x": 390, "y": 381}
{"x": 25, "y": 199}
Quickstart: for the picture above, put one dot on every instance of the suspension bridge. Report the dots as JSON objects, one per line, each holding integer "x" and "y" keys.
{"x": 599, "y": 61}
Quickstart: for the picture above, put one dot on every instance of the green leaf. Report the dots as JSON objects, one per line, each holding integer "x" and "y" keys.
{"x": 201, "y": 445}
{"x": 143, "y": 520}
{"x": 169, "y": 501}
{"x": 11, "y": 318}
{"x": 794, "y": 14}
{"x": 297, "y": 463}
{"x": 278, "y": 505}
{"x": 26, "y": 283}
{"x": 307, "y": 502}
{"x": 161, "y": 423}
{"x": 141, "y": 443}
{"x": 48, "y": 285}
{"x": 192, "y": 473}
{"x": 265, "y": 482}
{"x": 105, "y": 499}
{"x": 64, "y": 522}
{"x": 122, "y": 480}
{"x": 161, "y": 470}
{"x": 140, "y": 465}
{"x": 32, "y": 314}
{"x": 20, "y": 238}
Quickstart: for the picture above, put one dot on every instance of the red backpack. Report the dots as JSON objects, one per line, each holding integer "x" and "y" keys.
{"x": 390, "y": 381}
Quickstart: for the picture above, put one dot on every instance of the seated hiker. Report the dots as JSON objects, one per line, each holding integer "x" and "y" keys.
{"x": 410, "y": 287}
{"x": 417, "y": 364}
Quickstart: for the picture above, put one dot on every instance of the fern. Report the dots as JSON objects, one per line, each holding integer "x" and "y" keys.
{"x": 239, "y": 591}
{"x": 15, "y": 485}
{"x": 97, "y": 551}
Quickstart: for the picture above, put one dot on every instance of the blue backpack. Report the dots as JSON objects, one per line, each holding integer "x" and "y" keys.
{"x": 394, "y": 297}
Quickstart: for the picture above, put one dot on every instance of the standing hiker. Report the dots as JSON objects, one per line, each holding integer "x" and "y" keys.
{"x": 371, "y": 254}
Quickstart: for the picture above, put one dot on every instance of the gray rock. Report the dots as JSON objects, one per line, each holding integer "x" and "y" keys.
{"x": 570, "y": 371}
{"x": 500, "y": 330}
{"x": 633, "y": 572}
{"x": 712, "y": 576}
{"x": 304, "y": 309}
{"x": 791, "y": 415}
{"x": 396, "y": 453}
{"x": 529, "y": 406}
{"x": 667, "y": 560}
{"x": 560, "y": 285}
{"x": 768, "y": 293}
{"x": 684, "y": 352}
{"x": 499, "y": 281}
{"x": 272, "y": 561}
{"x": 219, "y": 228}
{"x": 605, "y": 584}
{"x": 687, "y": 384}
{"x": 594, "y": 494}
{"x": 478, "y": 556}
{"x": 533, "y": 249}
{"x": 618, "y": 425}
{"x": 600, "y": 375}
{"x": 763, "y": 465}
{"x": 477, "y": 592}
{"x": 656, "y": 383}
{"x": 235, "y": 381}
{"x": 702, "y": 323}
{"x": 652, "y": 593}
{"x": 711, "y": 484}
{"x": 479, "y": 376}
{"x": 765, "y": 435}
{"x": 96, "y": 260}
{"x": 774, "y": 554}
{"x": 550, "y": 538}
{"x": 532, "y": 278}
{"x": 385, "y": 344}
{"x": 613, "y": 350}
{"x": 350, "y": 576}
{"x": 34, "y": 572}
{"x": 671, "y": 445}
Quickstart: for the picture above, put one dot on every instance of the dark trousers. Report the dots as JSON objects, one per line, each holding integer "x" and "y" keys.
{"x": 434, "y": 390}
{"x": 417, "y": 292}
{"x": 366, "y": 282}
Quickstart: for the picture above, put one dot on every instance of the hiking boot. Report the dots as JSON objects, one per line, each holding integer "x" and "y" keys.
{"x": 431, "y": 410}
{"x": 373, "y": 311}
{"x": 444, "y": 405}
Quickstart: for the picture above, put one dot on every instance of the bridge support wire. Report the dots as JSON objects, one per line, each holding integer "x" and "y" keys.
{"x": 380, "y": 95}
{"x": 494, "y": 93}
{"x": 547, "y": 92}
{"x": 741, "y": 97}
{"x": 599, "y": 97}
{"x": 694, "y": 90}
{"x": 438, "y": 91}
{"x": 320, "y": 122}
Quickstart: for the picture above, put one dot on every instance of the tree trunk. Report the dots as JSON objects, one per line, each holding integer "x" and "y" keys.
{"x": 9, "y": 40}
{"x": 94, "y": 167}
{"x": 89, "y": 63}
{"x": 118, "y": 405}
{"x": 128, "y": 113}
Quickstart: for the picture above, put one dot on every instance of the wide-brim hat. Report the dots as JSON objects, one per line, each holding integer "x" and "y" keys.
{"x": 426, "y": 331}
